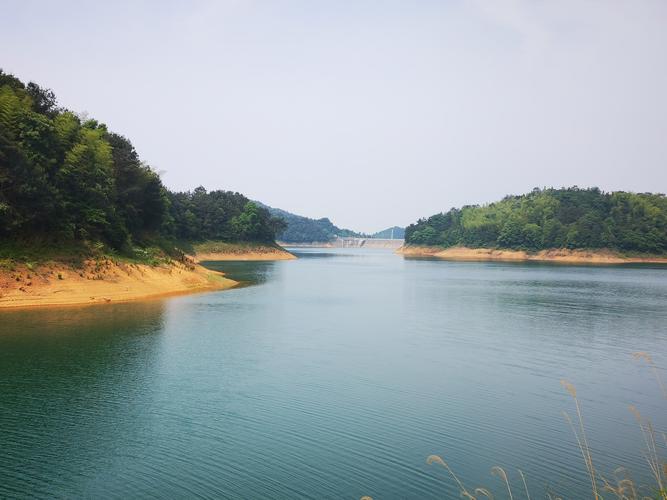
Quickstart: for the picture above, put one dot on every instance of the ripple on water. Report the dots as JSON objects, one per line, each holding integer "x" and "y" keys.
{"x": 333, "y": 376}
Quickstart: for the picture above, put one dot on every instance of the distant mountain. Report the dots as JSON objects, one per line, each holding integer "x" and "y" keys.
{"x": 302, "y": 229}
{"x": 396, "y": 233}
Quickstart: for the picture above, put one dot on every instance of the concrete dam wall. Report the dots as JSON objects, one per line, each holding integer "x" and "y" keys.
{"x": 367, "y": 243}
{"x": 348, "y": 243}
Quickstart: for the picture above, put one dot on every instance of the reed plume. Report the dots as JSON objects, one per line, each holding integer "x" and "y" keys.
{"x": 582, "y": 441}
{"x": 620, "y": 485}
{"x": 485, "y": 492}
{"x": 500, "y": 472}
{"x": 438, "y": 460}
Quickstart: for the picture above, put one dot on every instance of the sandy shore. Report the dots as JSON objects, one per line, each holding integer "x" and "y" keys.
{"x": 212, "y": 251}
{"x": 554, "y": 255}
{"x": 102, "y": 281}
{"x": 312, "y": 244}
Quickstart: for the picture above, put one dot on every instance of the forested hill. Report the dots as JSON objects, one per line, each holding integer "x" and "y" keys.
{"x": 553, "y": 218}
{"x": 301, "y": 229}
{"x": 65, "y": 179}
{"x": 397, "y": 233}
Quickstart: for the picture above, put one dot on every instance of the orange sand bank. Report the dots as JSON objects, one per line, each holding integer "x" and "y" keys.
{"x": 104, "y": 281}
{"x": 554, "y": 255}
{"x": 230, "y": 251}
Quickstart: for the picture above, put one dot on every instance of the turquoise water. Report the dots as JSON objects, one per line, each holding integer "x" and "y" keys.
{"x": 335, "y": 376}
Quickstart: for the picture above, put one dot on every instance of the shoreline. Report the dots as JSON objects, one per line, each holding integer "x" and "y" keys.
{"x": 219, "y": 251}
{"x": 103, "y": 281}
{"x": 557, "y": 255}
{"x": 312, "y": 244}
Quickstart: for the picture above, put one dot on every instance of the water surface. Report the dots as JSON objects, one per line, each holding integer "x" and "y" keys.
{"x": 334, "y": 376}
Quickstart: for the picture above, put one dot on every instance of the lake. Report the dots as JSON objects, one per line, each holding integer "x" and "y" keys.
{"x": 335, "y": 376}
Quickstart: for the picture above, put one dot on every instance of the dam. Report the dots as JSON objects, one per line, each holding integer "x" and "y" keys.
{"x": 348, "y": 242}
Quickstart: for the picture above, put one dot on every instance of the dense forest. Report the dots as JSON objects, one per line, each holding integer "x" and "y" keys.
{"x": 299, "y": 229}
{"x": 66, "y": 179}
{"x": 553, "y": 218}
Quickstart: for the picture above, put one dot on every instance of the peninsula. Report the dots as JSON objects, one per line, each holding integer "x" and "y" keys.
{"x": 83, "y": 220}
{"x": 569, "y": 225}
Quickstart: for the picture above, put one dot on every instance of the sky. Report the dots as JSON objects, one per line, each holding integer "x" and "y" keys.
{"x": 371, "y": 113}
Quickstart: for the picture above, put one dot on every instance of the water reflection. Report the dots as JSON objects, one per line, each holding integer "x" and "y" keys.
{"x": 313, "y": 254}
{"x": 336, "y": 377}
{"x": 80, "y": 321}
{"x": 245, "y": 272}
{"x": 71, "y": 381}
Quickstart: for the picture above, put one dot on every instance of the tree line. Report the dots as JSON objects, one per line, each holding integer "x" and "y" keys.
{"x": 572, "y": 218}
{"x": 68, "y": 179}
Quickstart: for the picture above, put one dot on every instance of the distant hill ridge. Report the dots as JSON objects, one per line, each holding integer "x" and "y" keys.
{"x": 301, "y": 229}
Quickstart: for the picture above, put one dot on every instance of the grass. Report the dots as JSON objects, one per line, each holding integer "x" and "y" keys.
{"x": 619, "y": 486}
{"x": 32, "y": 253}
{"x": 36, "y": 251}
{"x": 234, "y": 248}
{"x": 156, "y": 251}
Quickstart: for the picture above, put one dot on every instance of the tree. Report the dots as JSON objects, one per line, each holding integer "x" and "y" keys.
{"x": 140, "y": 195}
{"x": 553, "y": 218}
{"x": 43, "y": 100}
{"x": 87, "y": 185}
{"x": 72, "y": 181}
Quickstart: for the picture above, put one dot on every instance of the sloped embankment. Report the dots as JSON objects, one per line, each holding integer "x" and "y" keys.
{"x": 217, "y": 251}
{"x": 563, "y": 255}
{"x": 102, "y": 281}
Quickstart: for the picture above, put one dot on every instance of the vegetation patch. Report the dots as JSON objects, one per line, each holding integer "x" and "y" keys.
{"x": 72, "y": 189}
{"x": 573, "y": 218}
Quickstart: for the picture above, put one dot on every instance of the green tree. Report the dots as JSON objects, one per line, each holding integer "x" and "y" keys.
{"x": 553, "y": 218}
{"x": 86, "y": 183}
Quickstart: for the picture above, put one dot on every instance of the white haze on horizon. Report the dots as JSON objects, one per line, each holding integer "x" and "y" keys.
{"x": 370, "y": 113}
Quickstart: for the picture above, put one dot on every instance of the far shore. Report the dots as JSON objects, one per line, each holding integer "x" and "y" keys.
{"x": 562, "y": 255}
{"x": 312, "y": 244}
{"x": 220, "y": 251}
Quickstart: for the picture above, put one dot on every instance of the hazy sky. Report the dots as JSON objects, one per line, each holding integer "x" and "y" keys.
{"x": 372, "y": 113}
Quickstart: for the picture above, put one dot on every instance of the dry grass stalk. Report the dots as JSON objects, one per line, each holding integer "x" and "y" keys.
{"x": 525, "y": 486}
{"x": 625, "y": 487}
{"x": 485, "y": 492}
{"x": 464, "y": 492}
{"x": 640, "y": 355}
{"x": 651, "y": 453}
{"x": 582, "y": 441}
{"x": 500, "y": 472}
{"x": 622, "y": 486}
